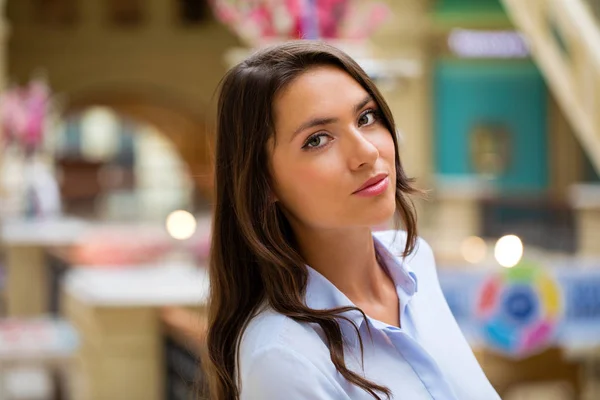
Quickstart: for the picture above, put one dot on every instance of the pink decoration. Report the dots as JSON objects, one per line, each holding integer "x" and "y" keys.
{"x": 262, "y": 21}
{"x": 23, "y": 112}
{"x": 537, "y": 337}
{"x": 330, "y": 13}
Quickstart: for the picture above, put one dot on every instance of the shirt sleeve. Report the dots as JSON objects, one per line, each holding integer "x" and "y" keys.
{"x": 280, "y": 373}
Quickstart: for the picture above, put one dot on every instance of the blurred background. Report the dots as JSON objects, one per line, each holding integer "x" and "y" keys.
{"x": 107, "y": 130}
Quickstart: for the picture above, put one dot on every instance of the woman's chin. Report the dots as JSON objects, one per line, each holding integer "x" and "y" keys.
{"x": 379, "y": 217}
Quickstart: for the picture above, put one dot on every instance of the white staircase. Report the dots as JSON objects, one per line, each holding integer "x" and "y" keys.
{"x": 564, "y": 36}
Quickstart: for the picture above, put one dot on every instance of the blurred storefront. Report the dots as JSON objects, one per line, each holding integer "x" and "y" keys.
{"x": 500, "y": 133}
{"x": 508, "y": 162}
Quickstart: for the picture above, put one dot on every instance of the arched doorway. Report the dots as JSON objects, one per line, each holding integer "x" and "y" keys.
{"x": 118, "y": 151}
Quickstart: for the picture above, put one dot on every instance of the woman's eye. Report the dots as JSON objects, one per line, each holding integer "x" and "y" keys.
{"x": 367, "y": 118}
{"x": 317, "y": 141}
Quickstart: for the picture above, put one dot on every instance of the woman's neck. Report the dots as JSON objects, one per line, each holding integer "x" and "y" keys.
{"x": 347, "y": 258}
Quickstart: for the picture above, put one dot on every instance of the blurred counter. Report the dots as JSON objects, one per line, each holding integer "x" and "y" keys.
{"x": 137, "y": 286}
{"x": 119, "y": 315}
{"x": 24, "y": 243}
{"x": 46, "y": 232}
{"x": 33, "y": 246}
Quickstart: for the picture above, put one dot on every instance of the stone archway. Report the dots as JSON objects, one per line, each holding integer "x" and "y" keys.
{"x": 189, "y": 132}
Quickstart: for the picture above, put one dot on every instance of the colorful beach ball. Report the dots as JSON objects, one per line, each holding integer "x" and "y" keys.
{"x": 519, "y": 309}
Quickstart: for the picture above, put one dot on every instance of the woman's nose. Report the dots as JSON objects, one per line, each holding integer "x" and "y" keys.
{"x": 359, "y": 149}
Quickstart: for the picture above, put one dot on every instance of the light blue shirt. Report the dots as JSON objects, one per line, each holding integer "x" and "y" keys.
{"x": 427, "y": 358}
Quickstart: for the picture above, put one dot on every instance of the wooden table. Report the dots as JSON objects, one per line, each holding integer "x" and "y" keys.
{"x": 118, "y": 314}
{"x": 24, "y": 242}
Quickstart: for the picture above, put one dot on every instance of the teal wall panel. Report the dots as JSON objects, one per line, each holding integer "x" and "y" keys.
{"x": 510, "y": 94}
{"x": 468, "y": 6}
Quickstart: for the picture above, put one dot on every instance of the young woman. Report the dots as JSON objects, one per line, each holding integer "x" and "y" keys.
{"x": 306, "y": 302}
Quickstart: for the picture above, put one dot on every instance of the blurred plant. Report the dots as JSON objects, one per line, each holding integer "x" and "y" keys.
{"x": 259, "y": 21}
{"x": 23, "y": 114}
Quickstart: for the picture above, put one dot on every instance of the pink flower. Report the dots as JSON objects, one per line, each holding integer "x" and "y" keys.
{"x": 23, "y": 112}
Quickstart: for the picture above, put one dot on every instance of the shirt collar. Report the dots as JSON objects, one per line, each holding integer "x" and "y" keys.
{"x": 321, "y": 294}
{"x": 400, "y": 271}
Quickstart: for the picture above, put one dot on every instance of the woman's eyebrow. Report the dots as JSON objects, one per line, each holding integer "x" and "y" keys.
{"x": 311, "y": 123}
{"x": 320, "y": 121}
{"x": 362, "y": 103}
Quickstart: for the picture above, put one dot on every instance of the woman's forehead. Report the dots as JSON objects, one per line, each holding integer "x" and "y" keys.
{"x": 320, "y": 90}
{"x": 319, "y": 79}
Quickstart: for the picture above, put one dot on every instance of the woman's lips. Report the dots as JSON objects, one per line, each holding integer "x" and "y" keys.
{"x": 374, "y": 186}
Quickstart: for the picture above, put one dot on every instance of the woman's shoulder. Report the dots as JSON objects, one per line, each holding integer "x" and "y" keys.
{"x": 281, "y": 358}
{"x": 270, "y": 331}
{"x": 272, "y": 350}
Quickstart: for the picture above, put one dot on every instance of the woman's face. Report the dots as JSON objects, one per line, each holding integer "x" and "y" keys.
{"x": 330, "y": 142}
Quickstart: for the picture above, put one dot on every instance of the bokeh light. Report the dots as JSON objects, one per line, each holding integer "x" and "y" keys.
{"x": 181, "y": 225}
{"x": 508, "y": 251}
{"x": 473, "y": 249}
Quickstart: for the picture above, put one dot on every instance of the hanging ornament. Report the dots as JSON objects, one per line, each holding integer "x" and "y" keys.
{"x": 260, "y": 21}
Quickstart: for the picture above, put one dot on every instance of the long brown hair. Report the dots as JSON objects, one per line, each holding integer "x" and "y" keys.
{"x": 253, "y": 258}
